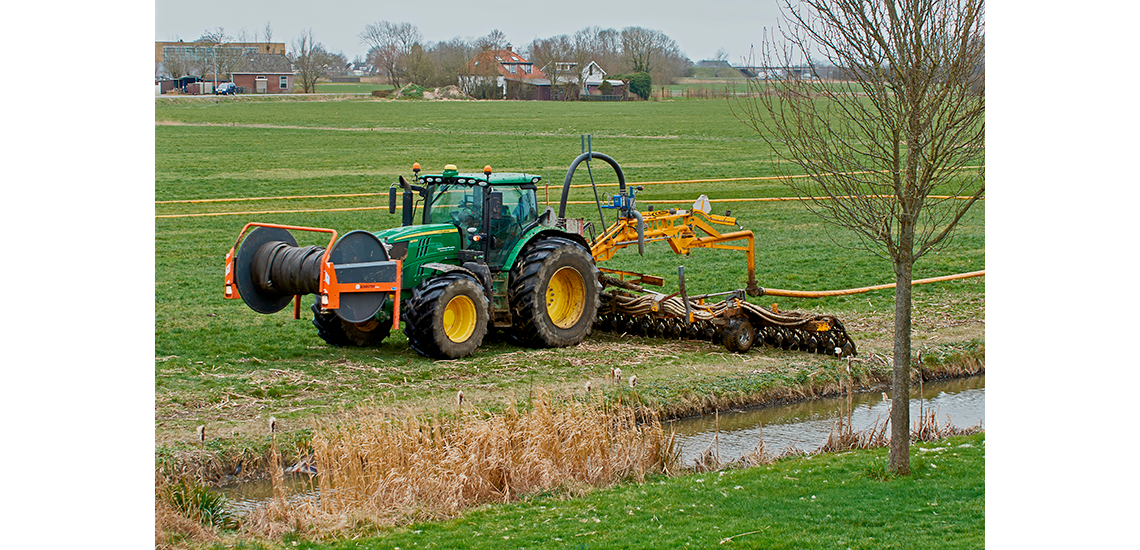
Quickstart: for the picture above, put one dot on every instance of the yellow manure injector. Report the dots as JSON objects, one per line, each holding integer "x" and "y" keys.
{"x": 627, "y": 306}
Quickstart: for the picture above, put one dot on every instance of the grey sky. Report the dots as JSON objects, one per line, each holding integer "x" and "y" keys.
{"x": 699, "y": 28}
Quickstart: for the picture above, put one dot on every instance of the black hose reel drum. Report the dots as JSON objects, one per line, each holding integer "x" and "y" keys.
{"x": 270, "y": 269}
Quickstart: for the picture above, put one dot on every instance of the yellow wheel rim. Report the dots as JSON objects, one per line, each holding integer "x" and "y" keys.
{"x": 565, "y": 297}
{"x": 459, "y": 319}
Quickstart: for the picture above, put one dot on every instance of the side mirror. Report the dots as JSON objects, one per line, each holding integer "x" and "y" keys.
{"x": 391, "y": 200}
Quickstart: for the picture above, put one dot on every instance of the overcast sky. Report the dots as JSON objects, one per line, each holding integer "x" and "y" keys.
{"x": 699, "y": 28}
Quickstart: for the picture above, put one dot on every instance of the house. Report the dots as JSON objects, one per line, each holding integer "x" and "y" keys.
{"x": 588, "y": 80}
{"x": 500, "y": 74}
{"x": 360, "y": 69}
{"x": 264, "y": 73}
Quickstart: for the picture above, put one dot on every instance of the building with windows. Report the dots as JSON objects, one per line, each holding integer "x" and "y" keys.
{"x": 499, "y": 74}
{"x": 264, "y": 73}
{"x": 202, "y": 58}
{"x": 588, "y": 81}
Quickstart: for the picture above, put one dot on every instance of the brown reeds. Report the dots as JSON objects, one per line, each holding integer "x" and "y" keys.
{"x": 393, "y": 467}
{"x": 279, "y": 515}
{"x": 926, "y": 428}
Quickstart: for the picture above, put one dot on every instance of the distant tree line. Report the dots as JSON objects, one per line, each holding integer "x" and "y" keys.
{"x": 399, "y": 52}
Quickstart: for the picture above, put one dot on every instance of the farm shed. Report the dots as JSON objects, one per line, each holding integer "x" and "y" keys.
{"x": 265, "y": 73}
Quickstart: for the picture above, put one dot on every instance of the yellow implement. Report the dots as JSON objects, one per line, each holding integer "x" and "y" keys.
{"x": 679, "y": 229}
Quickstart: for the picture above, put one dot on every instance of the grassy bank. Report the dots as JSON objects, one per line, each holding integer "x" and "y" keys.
{"x": 826, "y": 501}
{"x": 839, "y": 500}
{"x": 222, "y": 366}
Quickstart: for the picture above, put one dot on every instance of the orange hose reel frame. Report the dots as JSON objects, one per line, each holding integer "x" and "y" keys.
{"x": 329, "y": 289}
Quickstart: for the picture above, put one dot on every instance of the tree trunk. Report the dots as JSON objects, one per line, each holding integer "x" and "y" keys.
{"x": 899, "y": 462}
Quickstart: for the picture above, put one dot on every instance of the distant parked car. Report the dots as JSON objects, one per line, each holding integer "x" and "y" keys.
{"x": 226, "y": 88}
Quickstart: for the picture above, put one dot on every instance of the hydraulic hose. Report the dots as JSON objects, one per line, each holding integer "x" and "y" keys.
{"x": 574, "y": 166}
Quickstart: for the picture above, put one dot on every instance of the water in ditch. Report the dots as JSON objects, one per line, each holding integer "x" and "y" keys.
{"x": 242, "y": 498}
{"x": 805, "y": 426}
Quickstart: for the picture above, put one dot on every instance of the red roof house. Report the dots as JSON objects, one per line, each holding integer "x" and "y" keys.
{"x": 500, "y": 74}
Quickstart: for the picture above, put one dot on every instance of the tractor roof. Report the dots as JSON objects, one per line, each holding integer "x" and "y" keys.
{"x": 501, "y": 178}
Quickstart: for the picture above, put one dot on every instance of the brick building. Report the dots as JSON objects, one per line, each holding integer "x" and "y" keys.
{"x": 264, "y": 73}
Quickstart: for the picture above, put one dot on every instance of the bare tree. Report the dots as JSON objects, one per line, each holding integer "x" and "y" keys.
{"x": 720, "y": 59}
{"x": 582, "y": 53}
{"x": 652, "y": 51}
{"x": 911, "y": 120}
{"x": 600, "y": 45}
{"x": 640, "y": 46}
{"x": 420, "y": 66}
{"x": 450, "y": 57}
{"x": 552, "y": 55}
{"x": 644, "y": 48}
{"x": 495, "y": 40}
{"x": 336, "y": 64}
{"x": 390, "y": 44}
{"x": 310, "y": 59}
{"x": 215, "y": 56}
{"x": 268, "y": 32}
{"x": 178, "y": 66}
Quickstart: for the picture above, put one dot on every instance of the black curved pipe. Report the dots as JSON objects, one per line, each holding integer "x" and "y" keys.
{"x": 574, "y": 166}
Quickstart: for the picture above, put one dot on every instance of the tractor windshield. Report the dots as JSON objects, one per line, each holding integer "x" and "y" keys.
{"x": 459, "y": 205}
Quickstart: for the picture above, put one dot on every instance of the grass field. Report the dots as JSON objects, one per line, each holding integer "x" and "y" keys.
{"x": 350, "y": 87}
{"x": 221, "y": 365}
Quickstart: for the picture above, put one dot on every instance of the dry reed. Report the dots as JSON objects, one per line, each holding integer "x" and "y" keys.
{"x": 279, "y": 516}
{"x": 417, "y": 466}
{"x": 926, "y": 428}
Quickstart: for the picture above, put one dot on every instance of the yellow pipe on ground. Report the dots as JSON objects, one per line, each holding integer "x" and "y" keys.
{"x": 850, "y": 291}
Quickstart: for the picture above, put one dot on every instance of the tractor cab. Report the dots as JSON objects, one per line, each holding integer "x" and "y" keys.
{"x": 491, "y": 211}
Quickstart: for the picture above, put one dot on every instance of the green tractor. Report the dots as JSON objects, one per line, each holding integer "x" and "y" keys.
{"x": 482, "y": 257}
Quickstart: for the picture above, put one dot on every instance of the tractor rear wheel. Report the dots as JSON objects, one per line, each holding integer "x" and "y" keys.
{"x": 338, "y": 332}
{"x": 554, "y": 293}
{"x": 446, "y": 318}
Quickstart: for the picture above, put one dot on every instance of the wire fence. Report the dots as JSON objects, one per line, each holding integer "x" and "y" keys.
{"x": 546, "y": 195}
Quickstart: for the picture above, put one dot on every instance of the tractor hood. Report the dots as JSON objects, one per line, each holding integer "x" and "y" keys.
{"x": 438, "y": 238}
{"x": 417, "y": 245}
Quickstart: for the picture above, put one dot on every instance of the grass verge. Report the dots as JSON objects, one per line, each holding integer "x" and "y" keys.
{"x": 836, "y": 500}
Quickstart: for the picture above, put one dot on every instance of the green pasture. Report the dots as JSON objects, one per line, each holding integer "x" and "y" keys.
{"x": 220, "y": 364}
{"x": 350, "y": 87}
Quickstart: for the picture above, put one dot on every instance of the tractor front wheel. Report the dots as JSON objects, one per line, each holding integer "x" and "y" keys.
{"x": 447, "y": 317}
{"x": 554, "y": 293}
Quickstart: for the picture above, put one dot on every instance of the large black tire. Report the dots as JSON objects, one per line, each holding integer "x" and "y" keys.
{"x": 338, "y": 332}
{"x": 447, "y": 317}
{"x": 554, "y": 293}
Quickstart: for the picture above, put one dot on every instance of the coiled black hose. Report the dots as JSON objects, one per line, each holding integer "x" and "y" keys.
{"x": 287, "y": 270}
